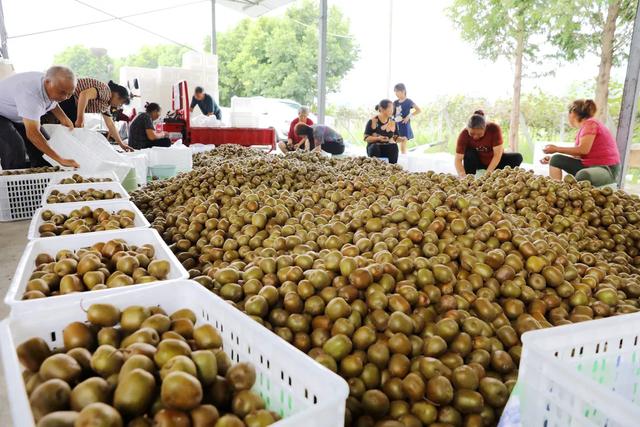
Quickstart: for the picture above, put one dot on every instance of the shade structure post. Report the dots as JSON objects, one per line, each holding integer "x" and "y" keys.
{"x": 214, "y": 34}
{"x": 322, "y": 61}
{"x": 4, "y": 50}
{"x": 629, "y": 105}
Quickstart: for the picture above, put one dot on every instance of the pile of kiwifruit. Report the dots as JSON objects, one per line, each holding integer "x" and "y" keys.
{"x": 79, "y": 179}
{"x": 416, "y": 288}
{"x": 84, "y": 220}
{"x": 57, "y": 196}
{"x": 103, "y": 265}
{"x": 42, "y": 169}
{"x": 139, "y": 367}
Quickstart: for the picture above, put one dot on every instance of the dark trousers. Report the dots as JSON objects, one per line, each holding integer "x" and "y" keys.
{"x": 472, "y": 161}
{"x": 14, "y": 147}
{"x": 162, "y": 142}
{"x": 384, "y": 150}
{"x": 331, "y": 147}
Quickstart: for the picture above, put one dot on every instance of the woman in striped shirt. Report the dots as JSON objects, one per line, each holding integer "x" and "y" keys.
{"x": 94, "y": 96}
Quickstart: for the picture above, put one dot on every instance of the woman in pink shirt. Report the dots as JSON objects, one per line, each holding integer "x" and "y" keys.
{"x": 594, "y": 158}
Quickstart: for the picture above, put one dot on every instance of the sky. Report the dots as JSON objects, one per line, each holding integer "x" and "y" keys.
{"x": 427, "y": 52}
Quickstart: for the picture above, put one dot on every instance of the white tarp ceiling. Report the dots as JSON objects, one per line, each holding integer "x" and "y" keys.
{"x": 254, "y": 8}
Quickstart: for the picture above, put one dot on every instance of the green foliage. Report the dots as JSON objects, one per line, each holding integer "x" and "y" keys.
{"x": 85, "y": 63}
{"x": 576, "y": 27}
{"x": 278, "y": 56}
{"x": 158, "y": 55}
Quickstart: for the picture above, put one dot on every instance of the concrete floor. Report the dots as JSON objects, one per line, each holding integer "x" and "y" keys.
{"x": 13, "y": 238}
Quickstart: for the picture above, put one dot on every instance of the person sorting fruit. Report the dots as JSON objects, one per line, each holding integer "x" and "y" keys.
{"x": 96, "y": 97}
{"x": 295, "y": 142}
{"x": 595, "y": 157}
{"x": 320, "y": 137}
{"x": 142, "y": 134}
{"x": 24, "y": 99}
{"x": 205, "y": 102}
{"x": 381, "y": 133}
{"x": 480, "y": 146}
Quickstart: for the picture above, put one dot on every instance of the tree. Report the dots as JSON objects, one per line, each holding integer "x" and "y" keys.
{"x": 503, "y": 28}
{"x": 278, "y": 56}
{"x": 158, "y": 55}
{"x": 86, "y": 62}
{"x": 603, "y": 28}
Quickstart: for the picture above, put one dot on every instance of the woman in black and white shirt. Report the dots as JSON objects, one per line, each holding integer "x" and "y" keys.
{"x": 381, "y": 133}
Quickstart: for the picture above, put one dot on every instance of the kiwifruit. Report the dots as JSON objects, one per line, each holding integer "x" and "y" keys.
{"x": 137, "y": 361}
{"x": 439, "y": 390}
{"x": 110, "y": 336}
{"x": 206, "y": 337}
{"x": 131, "y": 318}
{"x": 260, "y": 418}
{"x": 140, "y": 348}
{"x": 50, "y": 396}
{"x": 178, "y": 363}
{"x": 142, "y": 335}
{"x": 59, "y": 419}
{"x": 169, "y": 348}
{"x": 171, "y": 418}
{"x": 77, "y": 334}
{"x": 376, "y": 403}
{"x": 241, "y": 376}
{"x": 107, "y": 360}
{"x": 83, "y": 357}
{"x": 181, "y": 391}
{"x": 38, "y": 285}
{"x": 494, "y": 392}
{"x": 91, "y": 390}
{"x": 71, "y": 283}
{"x": 99, "y": 414}
{"x": 204, "y": 416}
{"x": 103, "y": 315}
{"x": 229, "y": 420}
{"x": 134, "y": 393}
{"x": 206, "y": 365}
{"x": 32, "y": 353}
{"x": 246, "y": 402}
{"x": 160, "y": 322}
{"x": 183, "y": 327}
{"x": 159, "y": 268}
{"x": 60, "y": 366}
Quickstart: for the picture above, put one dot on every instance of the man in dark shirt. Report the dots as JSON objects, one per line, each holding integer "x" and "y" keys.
{"x": 206, "y": 103}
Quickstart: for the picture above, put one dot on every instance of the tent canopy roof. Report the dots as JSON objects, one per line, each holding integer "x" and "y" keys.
{"x": 254, "y": 8}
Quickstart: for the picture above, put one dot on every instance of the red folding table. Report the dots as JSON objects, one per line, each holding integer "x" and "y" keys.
{"x": 181, "y": 123}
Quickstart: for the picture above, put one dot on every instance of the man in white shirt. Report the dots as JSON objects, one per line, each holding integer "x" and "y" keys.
{"x": 24, "y": 99}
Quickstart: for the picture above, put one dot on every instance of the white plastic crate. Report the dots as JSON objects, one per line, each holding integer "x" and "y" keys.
{"x": 178, "y": 155}
{"x": 245, "y": 120}
{"x": 586, "y": 374}
{"x": 116, "y": 187}
{"x": 52, "y": 245}
{"x": 291, "y": 383}
{"x": 98, "y": 175}
{"x": 21, "y": 195}
{"x": 110, "y": 206}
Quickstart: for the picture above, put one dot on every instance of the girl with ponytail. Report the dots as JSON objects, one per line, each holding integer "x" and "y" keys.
{"x": 594, "y": 157}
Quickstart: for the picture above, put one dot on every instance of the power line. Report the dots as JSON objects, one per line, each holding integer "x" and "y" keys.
{"x": 69, "y": 27}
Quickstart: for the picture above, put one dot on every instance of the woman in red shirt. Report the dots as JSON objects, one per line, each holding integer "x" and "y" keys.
{"x": 594, "y": 158}
{"x": 295, "y": 142}
{"x": 480, "y": 147}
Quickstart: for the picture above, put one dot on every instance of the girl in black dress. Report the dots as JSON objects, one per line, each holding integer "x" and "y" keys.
{"x": 381, "y": 133}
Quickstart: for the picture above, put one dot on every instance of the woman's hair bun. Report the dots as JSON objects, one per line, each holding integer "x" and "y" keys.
{"x": 478, "y": 113}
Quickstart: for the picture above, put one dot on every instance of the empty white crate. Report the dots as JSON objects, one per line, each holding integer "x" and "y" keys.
{"x": 21, "y": 195}
{"x": 51, "y": 245}
{"x": 302, "y": 391}
{"x": 110, "y": 206}
{"x": 586, "y": 374}
{"x": 116, "y": 187}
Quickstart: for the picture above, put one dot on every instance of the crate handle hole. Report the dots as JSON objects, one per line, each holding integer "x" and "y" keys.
{"x": 282, "y": 375}
{"x": 268, "y": 364}
{"x": 620, "y": 344}
{"x": 306, "y": 393}
{"x": 53, "y": 337}
{"x": 315, "y": 399}
{"x": 289, "y": 381}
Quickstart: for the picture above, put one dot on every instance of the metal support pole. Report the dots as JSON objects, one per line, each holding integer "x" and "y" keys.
{"x": 388, "y": 88}
{"x": 4, "y": 50}
{"x": 629, "y": 100}
{"x": 214, "y": 35}
{"x": 322, "y": 61}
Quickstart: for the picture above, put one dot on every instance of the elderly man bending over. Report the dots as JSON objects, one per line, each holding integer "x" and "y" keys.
{"x": 24, "y": 99}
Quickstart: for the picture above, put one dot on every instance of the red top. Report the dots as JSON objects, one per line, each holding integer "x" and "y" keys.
{"x": 292, "y": 134}
{"x": 604, "y": 151}
{"x": 484, "y": 146}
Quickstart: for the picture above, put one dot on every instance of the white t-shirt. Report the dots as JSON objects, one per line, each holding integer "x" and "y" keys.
{"x": 22, "y": 96}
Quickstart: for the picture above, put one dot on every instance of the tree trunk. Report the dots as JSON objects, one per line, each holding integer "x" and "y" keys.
{"x": 606, "y": 59}
{"x": 514, "y": 122}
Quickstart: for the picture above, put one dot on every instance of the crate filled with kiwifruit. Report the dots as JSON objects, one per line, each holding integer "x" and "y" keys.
{"x": 67, "y": 267}
{"x": 85, "y": 192}
{"x": 85, "y": 217}
{"x": 146, "y": 357}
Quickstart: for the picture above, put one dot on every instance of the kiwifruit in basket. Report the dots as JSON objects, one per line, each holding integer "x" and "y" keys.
{"x": 79, "y": 179}
{"x": 143, "y": 380}
{"x": 57, "y": 196}
{"x": 28, "y": 171}
{"x": 84, "y": 220}
{"x": 104, "y": 265}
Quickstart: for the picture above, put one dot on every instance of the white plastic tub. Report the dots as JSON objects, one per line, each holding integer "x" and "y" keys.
{"x": 116, "y": 187}
{"x": 113, "y": 205}
{"x": 586, "y": 374}
{"x": 21, "y": 195}
{"x": 177, "y": 155}
{"x": 302, "y": 391}
{"x": 52, "y": 245}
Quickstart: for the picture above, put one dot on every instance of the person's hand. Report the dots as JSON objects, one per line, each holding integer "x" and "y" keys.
{"x": 550, "y": 149}
{"x": 462, "y": 175}
{"x": 406, "y": 120}
{"x": 70, "y": 163}
{"x": 67, "y": 123}
{"x": 79, "y": 121}
{"x": 545, "y": 160}
{"x": 383, "y": 139}
{"x": 125, "y": 147}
